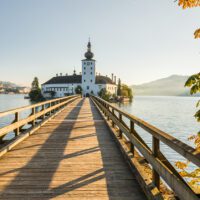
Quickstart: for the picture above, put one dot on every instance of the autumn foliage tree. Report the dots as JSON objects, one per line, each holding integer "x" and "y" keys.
{"x": 190, "y": 4}
{"x": 194, "y": 83}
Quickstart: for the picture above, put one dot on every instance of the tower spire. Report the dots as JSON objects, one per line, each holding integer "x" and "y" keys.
{"x": 89, "y": 55}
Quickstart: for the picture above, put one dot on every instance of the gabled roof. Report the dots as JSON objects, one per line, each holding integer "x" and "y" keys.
{"x": 65, "y": 79}
{"x": 104, "y": 80}
{"x": 77, "y": 79}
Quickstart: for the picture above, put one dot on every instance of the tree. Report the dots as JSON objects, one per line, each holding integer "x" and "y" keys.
{"x": 35, "y": 93}
{"x": 119, "y": 88}
{"x": 104, "y": 94}
{"x": 190, "y": 4}
{"x": 78, "y": 89}
{"x": 194, "y": 83}
{"x": 35, "y": 84}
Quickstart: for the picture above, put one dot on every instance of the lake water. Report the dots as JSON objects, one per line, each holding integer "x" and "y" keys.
{"x": 8, "y": 102}
{"x": 173, "y": 115}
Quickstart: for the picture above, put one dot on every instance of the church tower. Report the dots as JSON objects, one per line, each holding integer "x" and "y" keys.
{"x": 88, "y": 72}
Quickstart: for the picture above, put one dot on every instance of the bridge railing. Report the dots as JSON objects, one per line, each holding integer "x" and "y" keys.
{"x": 160, "y": 165}
{"x": 39, "y": 112}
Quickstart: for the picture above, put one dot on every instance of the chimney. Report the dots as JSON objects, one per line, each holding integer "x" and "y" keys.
{"x": 66, "y": 74}
{"x": 57, "y": 75}
{"x": 112, "y": 77}
{"x": 60, "y": 74}
{"x": 115, "y": 79}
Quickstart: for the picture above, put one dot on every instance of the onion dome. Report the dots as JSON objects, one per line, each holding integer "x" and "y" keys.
{"x": 89, "y": 55}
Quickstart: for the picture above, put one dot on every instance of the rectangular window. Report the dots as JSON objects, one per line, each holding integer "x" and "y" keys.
{"x": 91, "y": 80}
{"x": 90, "y": 72}
{"x": 88, "y": 87}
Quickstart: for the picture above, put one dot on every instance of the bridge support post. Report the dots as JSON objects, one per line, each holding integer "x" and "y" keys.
{"x": 155, "y": 150}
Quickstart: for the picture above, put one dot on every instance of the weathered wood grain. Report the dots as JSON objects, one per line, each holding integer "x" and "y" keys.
{"x": 73, "y": 156}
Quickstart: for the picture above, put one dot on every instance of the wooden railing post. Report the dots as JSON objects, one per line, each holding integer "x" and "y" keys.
{"x": 107, "y": 107}
{"x": 43, "y": 108}
{"x": 120, "y": 131}
{"x": 16, "y": 120}
{"x": 131, "y": 132}
{"x": 155, "y": 150}
{"x": 33, "y": 113}
{"x": 113, "y": 124}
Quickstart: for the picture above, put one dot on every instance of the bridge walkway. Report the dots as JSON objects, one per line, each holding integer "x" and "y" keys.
{"x": 73, "y": 156}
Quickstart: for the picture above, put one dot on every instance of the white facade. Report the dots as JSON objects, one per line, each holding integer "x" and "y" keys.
{"x": 88, "y": 77}
{"x": 90, "y": 83}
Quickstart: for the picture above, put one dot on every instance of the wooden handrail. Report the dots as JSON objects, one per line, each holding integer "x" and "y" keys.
{"x": 12, "y": 111}
{"x": 160, "y": 165}
{"x": 48, "y": 108}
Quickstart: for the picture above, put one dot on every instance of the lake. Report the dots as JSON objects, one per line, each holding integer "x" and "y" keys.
{"x": 173, "y": 115}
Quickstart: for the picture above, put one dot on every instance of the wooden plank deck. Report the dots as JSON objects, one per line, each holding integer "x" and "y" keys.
{"x": 73, "y": 156}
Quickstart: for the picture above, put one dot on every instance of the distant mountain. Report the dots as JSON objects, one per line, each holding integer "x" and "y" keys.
{"x": 7, "y": 84}
{"x": 170, "y": 86}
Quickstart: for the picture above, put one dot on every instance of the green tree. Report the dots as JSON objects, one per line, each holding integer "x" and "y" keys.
{"x": 194, "y": 83}
{"x": 104, "y": 94}
{"x": 35, "y": 93}
{"x": 78, "y": 89}
{"x": 119, "y": 88}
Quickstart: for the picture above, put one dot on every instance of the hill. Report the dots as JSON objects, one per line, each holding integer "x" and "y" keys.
{"x": 7, "y": 84}
{"x": 170, "y": 86}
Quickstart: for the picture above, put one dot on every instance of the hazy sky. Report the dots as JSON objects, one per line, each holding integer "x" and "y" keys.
{"x": 138, "y": 40}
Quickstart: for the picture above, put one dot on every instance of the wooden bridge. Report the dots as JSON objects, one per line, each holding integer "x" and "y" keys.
{"x": 81, "y": 148}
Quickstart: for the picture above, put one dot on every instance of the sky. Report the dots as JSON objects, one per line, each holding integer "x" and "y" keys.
{"x": 137, "y": 40}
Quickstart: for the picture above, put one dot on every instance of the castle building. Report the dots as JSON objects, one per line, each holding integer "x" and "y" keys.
{"x": 88, "y": 80}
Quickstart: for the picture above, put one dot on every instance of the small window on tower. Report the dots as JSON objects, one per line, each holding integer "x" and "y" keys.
{"x": 91, "y": 63}
{"x": 84, "y": 80}
{"x": 91, "y": 68}
{"x": 84, "y": 68}
{"x": 88, "y": 63}
{"x": 84, "y": 63}
{"x": 84, "y": 73}
{"x": 90, "y": 72}
{"x": 91, "y": 80}
{"x": 88, "y": 87}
